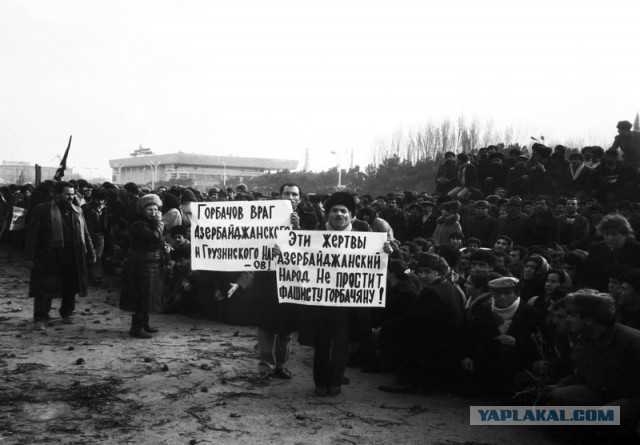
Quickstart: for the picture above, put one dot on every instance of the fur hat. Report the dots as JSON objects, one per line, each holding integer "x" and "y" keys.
{"x": 188, "y": 196}
{"x": 451, "y": 206}
{"x": 399, "y": 269}
{"x": 178, "y": 230}
{"x": 433, "y": 262}
{"x": 624, "y": 125}
{"x": 132, "y": 187}
{"x": 148, "y": 200}
{"x": 341, "y": 198}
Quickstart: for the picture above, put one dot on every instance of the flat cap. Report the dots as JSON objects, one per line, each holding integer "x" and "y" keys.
{"x": 503, "y": 283}
{"x": 481, "y": 203}
{"x": 515, "y": 201}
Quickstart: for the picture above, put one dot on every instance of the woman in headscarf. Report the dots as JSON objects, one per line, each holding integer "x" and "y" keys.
{"x": 142, "y": 291}
{"x": 534, "y": 273}
{"x": 556, "y": 286}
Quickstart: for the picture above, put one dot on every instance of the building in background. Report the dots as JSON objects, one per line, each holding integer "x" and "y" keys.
{"x": 205, "y": 170}
{"x": 17, "y": 172}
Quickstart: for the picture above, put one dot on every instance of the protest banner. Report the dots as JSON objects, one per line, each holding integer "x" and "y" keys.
{"x": 322, "y": 268}
{"x": 237, "y": 235}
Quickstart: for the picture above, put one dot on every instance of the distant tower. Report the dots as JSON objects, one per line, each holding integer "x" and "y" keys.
{"x": 636, "y": 122}
{"x": 306, "y": 161}
{"x": 351, "y": 163}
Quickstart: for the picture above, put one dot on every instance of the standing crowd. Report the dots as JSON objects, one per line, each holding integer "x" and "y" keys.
{"x": 519, "y": 275}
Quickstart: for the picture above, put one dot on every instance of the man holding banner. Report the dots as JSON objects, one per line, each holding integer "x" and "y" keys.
{"x": 276, "y": 322}
{"x": 331, "y": 274}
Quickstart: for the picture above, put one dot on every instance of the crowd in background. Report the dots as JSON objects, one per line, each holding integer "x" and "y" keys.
{"x": 490, "y": 277}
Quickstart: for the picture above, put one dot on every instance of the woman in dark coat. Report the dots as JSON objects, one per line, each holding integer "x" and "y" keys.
{"x": 142, "y": 291}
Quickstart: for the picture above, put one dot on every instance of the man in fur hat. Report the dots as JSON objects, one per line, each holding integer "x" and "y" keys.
{"x": 426, "y": 342}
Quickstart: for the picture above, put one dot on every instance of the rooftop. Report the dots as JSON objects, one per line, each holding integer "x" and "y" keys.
{"x": 208, "y": 160}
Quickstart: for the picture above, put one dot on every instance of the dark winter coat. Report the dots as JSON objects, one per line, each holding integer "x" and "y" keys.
{"x": 143, "y": 287}
{"x": 481, "y": 227}
{"x": 602, "y": 262}
{"x": 488, "y": 353}
{"x": 433, "y": 328}
{"x": 578, "y": 232}
{"x": 46, "y": 273}
{"x": 542, "y": 229}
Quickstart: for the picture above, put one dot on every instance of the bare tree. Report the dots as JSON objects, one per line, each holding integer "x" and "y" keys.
{"x": 488, "y": 134}
{"x": 474, "y": 134}
{"x": 446, "y": 136}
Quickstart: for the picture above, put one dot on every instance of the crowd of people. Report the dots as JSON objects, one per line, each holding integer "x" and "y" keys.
{"x": 519, "y": 275}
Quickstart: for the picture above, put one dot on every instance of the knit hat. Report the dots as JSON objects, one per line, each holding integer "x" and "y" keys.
{"x": 149, "y": 199}
{"x": 341, "y": 198}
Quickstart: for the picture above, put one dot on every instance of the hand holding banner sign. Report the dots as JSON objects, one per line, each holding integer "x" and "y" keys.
{"x": 326, "y": 268}
{"x": 237, "y": 235}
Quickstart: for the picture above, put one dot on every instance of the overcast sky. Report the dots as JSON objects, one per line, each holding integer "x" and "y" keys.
{"x": 272, "y": 78}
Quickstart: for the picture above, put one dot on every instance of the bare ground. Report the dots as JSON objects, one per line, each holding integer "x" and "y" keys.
{"x": 194, "y": 382}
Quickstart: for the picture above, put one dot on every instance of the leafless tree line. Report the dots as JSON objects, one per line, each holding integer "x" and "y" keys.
{"x": 433, "y": 138}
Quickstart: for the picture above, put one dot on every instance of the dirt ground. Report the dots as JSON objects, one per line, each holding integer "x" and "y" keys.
{"x": 194, "y": 382}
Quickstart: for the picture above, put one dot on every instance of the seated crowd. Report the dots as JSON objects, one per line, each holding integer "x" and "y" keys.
{"x": 518, "y": 277}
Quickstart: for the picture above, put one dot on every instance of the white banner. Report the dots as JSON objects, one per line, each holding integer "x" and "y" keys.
{"x": 322, "y": 268}
{"x": 237, "y": 235}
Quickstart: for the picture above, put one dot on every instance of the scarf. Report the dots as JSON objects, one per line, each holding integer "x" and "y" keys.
{"x": 576, "y": 173}
{"x": 57, "y": 236}
{"x": 461, "y": 171}
{"x": 505, "y": 315}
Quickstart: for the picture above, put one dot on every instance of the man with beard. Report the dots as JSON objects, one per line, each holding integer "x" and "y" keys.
{"x": 59, "y": 245}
